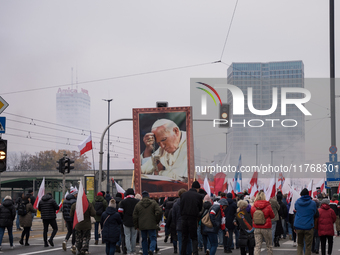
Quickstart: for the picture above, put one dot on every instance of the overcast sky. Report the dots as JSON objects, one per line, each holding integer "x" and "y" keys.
{"x": 140, "y": 52}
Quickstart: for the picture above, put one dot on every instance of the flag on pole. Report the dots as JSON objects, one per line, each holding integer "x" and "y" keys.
{"x": 81, "y": 205}
{"x": 280, "y": 182}
{"x": 253, "y": 191}
{"x": 321, "y": 185}
{"x": 119, "y": 188}
{"x": 271, "y": 189}
{"x": 238, "y": 177}
{"x": 85, "y": 145}
{"x": 253, "y": 181}
{"x": 61, "y": 203}
{"x": 41, "y": 193}
{"x": 310, "y": 187}
{"x": 206, "y": 186}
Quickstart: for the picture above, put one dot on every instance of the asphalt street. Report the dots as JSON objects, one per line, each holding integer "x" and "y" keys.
{"x": 37, "y": 247}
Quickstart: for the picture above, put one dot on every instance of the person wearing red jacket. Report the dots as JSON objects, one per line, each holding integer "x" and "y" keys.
{"x": 327, "y": 218}
{"x": 263, "y": 231}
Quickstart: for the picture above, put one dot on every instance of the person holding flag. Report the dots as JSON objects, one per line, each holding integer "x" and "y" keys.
{"x": 81, "y": 212}
{"x": 67, "y": 204}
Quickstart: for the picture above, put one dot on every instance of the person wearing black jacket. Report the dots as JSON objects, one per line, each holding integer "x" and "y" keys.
{"x": 118, "y": 199}
{"x": 126, "y": 208}
{"x": 17, "y": 202}
{"x": 230, "y": 212}
{"x": 7, "y": 216}
{"x": 190, "y": 207}
{"x": 47, "y": 207}
{"x": 67, "y": 204}
{"x": 30, "y": 196}
{"x": 166, "y": 208}
{"x": 111, "y": 221}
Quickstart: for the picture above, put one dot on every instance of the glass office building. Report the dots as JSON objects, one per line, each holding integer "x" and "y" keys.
{"x": 278, "y": 145}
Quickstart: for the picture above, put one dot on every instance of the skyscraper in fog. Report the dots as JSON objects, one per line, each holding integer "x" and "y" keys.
{"x": 73, "y": 108}
{"x": 280, "y": 145}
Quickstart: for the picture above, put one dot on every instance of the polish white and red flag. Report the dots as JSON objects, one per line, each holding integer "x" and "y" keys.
{"x": 81, "y": 206}
{"x": 85, "y": 145}
{"x": 61, "y": 202}
{"x": 271, "y": 191}
{"x": 41, "y": 193}
{"x": 253, "y": 191}
{"x": 206, "y": 186}
{"x": 280, "y": 182}
{"x": 321, "y": 185}
{"x": 253, "y": 181}
{"x": 310, "y": 187}
{"x": 119, "y": 188}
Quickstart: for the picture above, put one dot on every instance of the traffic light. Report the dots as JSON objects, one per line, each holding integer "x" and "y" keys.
{"x": 68, "y": 166}
{"x": 61, "y": 165}
{"x": 224, "y": 115}
{"x": 3, "y": 155}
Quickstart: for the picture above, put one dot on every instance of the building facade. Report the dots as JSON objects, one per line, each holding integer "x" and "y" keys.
{"x": 73, "y": 108}
{"x": 274, "y": 142}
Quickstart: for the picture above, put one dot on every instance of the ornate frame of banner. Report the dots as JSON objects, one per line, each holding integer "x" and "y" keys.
{"x": 158, "y": 185}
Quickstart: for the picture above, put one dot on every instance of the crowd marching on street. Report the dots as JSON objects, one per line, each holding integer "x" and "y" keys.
{"x": 194, "y": 221}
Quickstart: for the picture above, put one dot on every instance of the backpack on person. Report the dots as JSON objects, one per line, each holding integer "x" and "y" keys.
{"x": 22, "y": 209}
{"x": 99, "y": 208}
{"x": 258, "y": 217}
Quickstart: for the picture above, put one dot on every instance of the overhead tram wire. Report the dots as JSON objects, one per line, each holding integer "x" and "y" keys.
{"x": 47, "y": 122}
{"x": 112, "y": 78}
{"x": 226, "y": 39}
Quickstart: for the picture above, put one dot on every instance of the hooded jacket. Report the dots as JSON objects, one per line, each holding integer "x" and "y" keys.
{"x": 147, "y": 214}
{"x": 7, "y": 213}
{"x": 305, "y": 213}
{"x": 47, "y": 207}
{"x": 26, "y": 220}
{"x": 99, "y": 199}
{"x": 230, "y": 212}
{"x": 276, "y": 207}
{"x": 68, "y": 202}
{"x": 326, "y": 220}
{"x": 111, "y": 228}
{"x": 267, "y": 210}
{"x": 215, "y": 217}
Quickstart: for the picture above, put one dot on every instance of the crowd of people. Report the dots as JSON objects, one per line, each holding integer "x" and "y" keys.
{"x": 194, "y": 221}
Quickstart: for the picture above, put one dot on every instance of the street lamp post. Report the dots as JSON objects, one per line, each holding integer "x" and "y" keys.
{"x": 108, "y": 146}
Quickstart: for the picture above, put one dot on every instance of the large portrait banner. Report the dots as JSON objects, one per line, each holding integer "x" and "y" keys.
{"x": 163, "y": 150}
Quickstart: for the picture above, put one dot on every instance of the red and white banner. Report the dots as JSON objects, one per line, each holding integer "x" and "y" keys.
{"x": 271, "y": 191}
{"x": 85, "y": 145}
{"x": 81, "y": 205}
{"x": 41, "y": 193}
{"x": 253, "y": 191}
{"x": 310, "y": 187}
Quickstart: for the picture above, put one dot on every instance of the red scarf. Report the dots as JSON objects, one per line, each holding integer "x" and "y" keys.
{"x": 222, "y": 218}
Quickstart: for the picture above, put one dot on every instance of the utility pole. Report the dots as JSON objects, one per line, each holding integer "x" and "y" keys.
{"x": 332, "y": 71}
{"x": 108, "y": 147}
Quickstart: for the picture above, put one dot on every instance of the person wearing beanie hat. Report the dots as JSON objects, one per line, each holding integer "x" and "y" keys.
{"x": 67, "y": 204}
{"x": 126, "y": 208}
{"x": 111, "y": 222}
{"x": 244, "y": 222}
{"x": 306, "y": 212}
{"x": 100, "y": 205}
{"x": 190, "y": 207}
{"x": 335, "y": 205}
{"x": 326, "y": 220}
{"x": 146, "y": 217}
{"x": 196, "y": 185}
{"x": 171, "y": 153}
{"x": 145, "y": 194}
